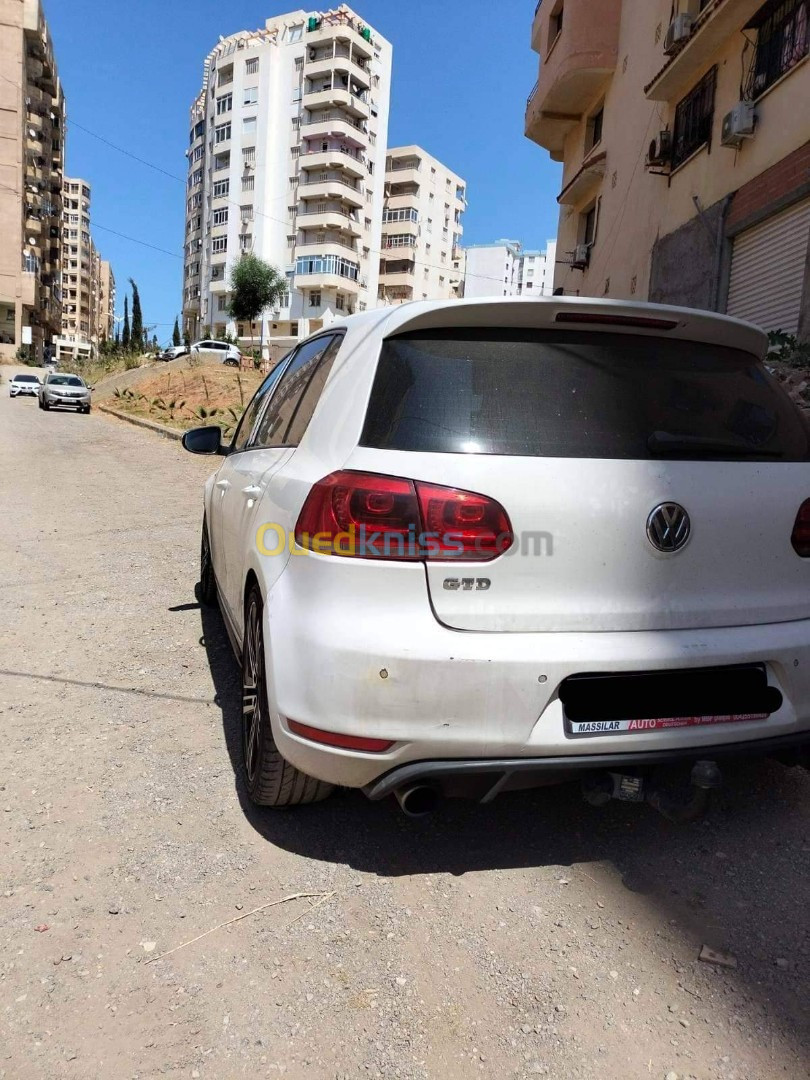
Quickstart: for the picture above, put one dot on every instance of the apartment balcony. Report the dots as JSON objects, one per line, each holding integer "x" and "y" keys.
{"x": 407, "y": 200}
{"x": 337, "y": 97}
{"x": 337, "y": 57}
{"x": 576, "y": 64}
{"x": 334, "y": 158}
{"x": 332, "y": 188}
{"x": 392, "y": 279}
{"x": 337, "y": 124}
{"x": 327, "y": 281}
{"x": 712, "y": 29}
{"x": 344, "y": 30}
{"x": 536, "y": 26}
{"x": 33, "y": 224}
{"x": 585, "y": 182}
{"x": 405, "y": 246}
{"x": 329, "y": 218}
{"x": 313, "y": 250}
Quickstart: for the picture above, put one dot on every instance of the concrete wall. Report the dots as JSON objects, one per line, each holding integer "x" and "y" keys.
{"x": 686, "y": 262}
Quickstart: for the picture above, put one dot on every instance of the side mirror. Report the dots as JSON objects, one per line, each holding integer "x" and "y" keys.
{"x": 204, "y": 440}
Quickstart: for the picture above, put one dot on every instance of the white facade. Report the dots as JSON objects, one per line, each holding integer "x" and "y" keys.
{"x": 287, "y": 159}
{"x": 505, "y": 269}
{"x": 421, "y": 228}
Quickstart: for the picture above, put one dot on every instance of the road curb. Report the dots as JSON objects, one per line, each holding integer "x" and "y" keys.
{"x": 150, "y": 425}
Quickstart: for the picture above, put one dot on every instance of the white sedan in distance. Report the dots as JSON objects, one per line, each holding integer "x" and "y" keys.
{"x": 470, "y": 546}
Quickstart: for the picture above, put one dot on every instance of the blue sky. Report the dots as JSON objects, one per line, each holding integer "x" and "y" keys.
{"x": 462, "y": 72}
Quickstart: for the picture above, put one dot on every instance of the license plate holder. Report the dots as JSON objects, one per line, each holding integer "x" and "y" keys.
{"x": 619, "y": 703}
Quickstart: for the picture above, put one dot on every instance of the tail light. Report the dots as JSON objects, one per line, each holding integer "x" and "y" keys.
{"x": 800, "y": 538}
{"x": 366, "y": 515}
{"x": 334, "y": 738}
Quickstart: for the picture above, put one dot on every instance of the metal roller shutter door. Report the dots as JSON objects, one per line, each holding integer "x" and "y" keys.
{"x": 767, "y": 270}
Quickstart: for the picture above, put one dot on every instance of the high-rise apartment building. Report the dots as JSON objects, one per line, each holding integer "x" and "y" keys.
{"x": 32, "y": 114}
{"x": 505, "y": 269}
{"x": 421, "y": 228}
{"x": 286, "y": 158}
{"x": 684, "y": 133}
{"x": 87, "y": 300}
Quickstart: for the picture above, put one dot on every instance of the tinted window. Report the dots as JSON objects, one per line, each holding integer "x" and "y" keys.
{"x": 577, "y": 394}
{"x": 25, "y": 378}
{"x": 311, "y": 396}
{"x": 248, "y": 420}
{"x": 275, "y": 424}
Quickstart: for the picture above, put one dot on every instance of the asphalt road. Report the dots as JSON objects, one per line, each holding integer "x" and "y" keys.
{"x": 535, "y": 936}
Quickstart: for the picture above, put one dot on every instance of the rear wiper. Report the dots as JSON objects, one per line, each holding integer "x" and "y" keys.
{"x": 664, "y": 442}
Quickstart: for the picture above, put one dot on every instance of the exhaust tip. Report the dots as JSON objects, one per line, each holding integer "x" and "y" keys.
{"x": 417, "y": 801}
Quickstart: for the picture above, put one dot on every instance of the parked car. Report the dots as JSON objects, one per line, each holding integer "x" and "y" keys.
{"x": 173, "y": 351}
{"x": 229, "y": 353}
{"x": 475, "y": 545}
{"x": 20, "y": 385}
{"x": 64, "y": 390}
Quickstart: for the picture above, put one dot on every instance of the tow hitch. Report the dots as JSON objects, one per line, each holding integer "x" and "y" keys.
{"x": 673, "y": 802}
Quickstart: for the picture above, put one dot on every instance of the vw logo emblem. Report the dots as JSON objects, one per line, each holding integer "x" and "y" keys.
{"x": 668, "y": 527}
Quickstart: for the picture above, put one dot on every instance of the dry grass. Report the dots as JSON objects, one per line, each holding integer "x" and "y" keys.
{"x": 191, "y": 398}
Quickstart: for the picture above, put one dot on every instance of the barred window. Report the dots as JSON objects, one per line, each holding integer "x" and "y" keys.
{"x": 248, "y": 183}
{"x": 252, "y": 66}
{"x": 694, "y": 116}
{"x": 783, "y": 40}
{"x": 219, "y": 244}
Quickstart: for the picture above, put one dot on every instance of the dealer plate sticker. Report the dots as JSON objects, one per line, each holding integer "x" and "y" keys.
{"x": 619, "y": 727}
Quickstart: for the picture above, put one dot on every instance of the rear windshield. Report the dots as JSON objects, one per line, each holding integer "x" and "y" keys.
{"x": 65, "y": 380}
{"x": 562, "y": 393}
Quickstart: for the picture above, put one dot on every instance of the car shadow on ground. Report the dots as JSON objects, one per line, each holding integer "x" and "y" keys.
{"x": 736, "y": 880}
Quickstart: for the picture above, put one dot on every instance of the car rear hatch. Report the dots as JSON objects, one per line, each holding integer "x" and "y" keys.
{"x": 650, "y": 481}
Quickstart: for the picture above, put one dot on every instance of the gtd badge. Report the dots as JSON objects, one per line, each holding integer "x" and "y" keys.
{"x": 467, "y": 584}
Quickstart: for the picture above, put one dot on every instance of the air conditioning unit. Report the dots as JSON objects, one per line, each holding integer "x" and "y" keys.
{"x": 679, "y": 31}
{"x": 582, "y": 256}
{"x": 739, "y": 124}
{"x": 660, "y": 152}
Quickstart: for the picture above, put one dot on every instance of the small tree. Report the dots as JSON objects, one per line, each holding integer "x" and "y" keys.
{"x": 137, "y": 318}
{"x": 117, "y": 339}
{"x": 176, "y": 332}
{"x": 255, "y": 286}
{"x": 125, "y": 337}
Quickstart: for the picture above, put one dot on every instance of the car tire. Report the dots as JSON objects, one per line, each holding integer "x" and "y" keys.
{"x": 45, "y": 405}
{"x": 269, "y": 778}
{"x": 207, "y": 588}
{"x": 86, "y": 410}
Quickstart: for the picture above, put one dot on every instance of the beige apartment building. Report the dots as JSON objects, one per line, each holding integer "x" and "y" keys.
{"x": 88, "y": 287}
{"x": 422, "y": 227}
{"x": 32, "y": 115}
{"x": 684, "y": 132}
{"x": 286, "y": 158}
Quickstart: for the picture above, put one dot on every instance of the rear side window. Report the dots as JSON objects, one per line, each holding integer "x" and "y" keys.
{"x": 248, "y": 421}
{"x": 280, "y": 425}
{"x": 553, "y": 393}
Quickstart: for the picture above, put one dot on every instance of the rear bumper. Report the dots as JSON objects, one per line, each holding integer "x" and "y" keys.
{"x": 350, "y": 654}
{"x": 497, "y": 774}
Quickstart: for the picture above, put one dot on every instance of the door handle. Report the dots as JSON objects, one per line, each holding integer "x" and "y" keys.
{"x": 223, "y": 484}
{"x": 252, "y": 492}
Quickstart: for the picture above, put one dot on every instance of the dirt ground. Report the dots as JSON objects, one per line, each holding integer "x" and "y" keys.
{"x": 536, "y": 936}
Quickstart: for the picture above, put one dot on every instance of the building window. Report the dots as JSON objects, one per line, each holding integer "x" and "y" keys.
{"x": 593, "y": 135}
{"x": 340, "y": 302}
{"x": 248, "y": 183}
{"x": 328, "y": 264}
{"x": 295, "y": 33}
{"x": 249, "y": 155}
{"x": 222, "y": 133}
{"x": 251, "y": 95}
{"x": 252, "y": 65}
{"x": 221, "y": 216}
{"x": 295, "y": 151}
{"x": 249, "y": 125}
{"x": 222, "y": 303}
{"x": 246, "y": 242}
{"x": 555, "y": 24}
{"x": 247, "y": 213}
{"x": 401, "y": 214}
{"x": 694, "y": 116}
{"x": 299, "y": 63}
{"x": 314, "y": 299}
{"x": 198, "y": 153}
{"x": 783, "y": 38}
{"x": 219, "y": 244}
{"x": 221, "y": 188}
{"x": 224, "y": 104}
{"x": 588, "y": 224}
{"x": 291, "y": 240}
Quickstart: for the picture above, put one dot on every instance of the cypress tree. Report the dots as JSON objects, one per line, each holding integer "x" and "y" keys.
{"x": 137, "y": 319}
{"x": 125, "y": 338}
{"x": 176, "y": 332}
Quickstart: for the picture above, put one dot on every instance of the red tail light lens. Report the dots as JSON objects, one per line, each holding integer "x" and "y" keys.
{"x": 366, "y": 515}
{"x": 334, "y": 738}
{"x": 800, "y": 537}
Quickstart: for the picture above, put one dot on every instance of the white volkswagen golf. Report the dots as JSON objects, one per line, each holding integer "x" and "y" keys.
{"x": 463, "y": 547}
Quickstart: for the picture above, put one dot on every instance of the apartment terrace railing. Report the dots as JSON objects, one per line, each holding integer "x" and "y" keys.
{"x": 335, "y": 114}
{"x": 401, "y": 165}
{"x": 531, "y": 96}
{"x": 328, "y": 208}
{"x": 355, "y": 154}
{"x": 332, "y": 178}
